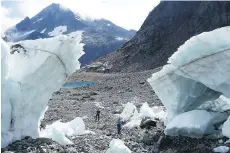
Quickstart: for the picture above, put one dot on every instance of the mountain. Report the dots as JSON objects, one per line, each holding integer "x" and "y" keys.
{"x": 166, "y": 28}
{"x": 100, "y": 36}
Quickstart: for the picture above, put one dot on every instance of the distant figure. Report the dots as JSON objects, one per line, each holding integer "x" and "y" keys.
{"x": 119, "y": 126}
{"x": 98, "y": 115}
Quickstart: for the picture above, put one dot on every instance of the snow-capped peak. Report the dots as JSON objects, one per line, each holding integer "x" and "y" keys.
{"x": 63, "y": 8}
{"x": 57, "y": 6}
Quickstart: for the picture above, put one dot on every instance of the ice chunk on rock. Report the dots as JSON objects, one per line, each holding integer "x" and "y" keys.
{"x": 221, "y": 149}
{"x": 118, "y": 146}
{"x": 146, "y": 111}
{"x": 160, "y": 113}
{"x": 194, "y": 123}
{"x": 128, "y": 111}
{"x": 152, "y": 113}
{"x": 58, "y": 130}
{"x": 134, "y": 121}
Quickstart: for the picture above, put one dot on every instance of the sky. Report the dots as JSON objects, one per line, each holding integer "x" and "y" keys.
{"x": 129, "y": 14}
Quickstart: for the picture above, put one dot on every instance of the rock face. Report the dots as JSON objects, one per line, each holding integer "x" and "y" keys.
{"x": 167, "y": 27}
{"x": 100, "y": 36}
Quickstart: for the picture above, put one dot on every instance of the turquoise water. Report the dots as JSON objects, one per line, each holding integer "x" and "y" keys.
{"x": 79, "y": 84}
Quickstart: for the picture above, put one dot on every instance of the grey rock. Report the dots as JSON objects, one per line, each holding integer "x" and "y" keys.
{"x": 115, "y": 102}
{"x": 92, "y": 93}
{"x": 86, "y": 96}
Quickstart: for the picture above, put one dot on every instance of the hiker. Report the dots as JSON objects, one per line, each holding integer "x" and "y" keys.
{"x": 119, "y": 126}
{"x": 98, "y": 115}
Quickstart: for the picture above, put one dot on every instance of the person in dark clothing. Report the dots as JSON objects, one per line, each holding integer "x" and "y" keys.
{"x": 98, "y": 115}
{"x": 119, "y": 126}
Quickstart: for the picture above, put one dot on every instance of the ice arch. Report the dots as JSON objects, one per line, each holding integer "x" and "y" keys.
{"x": 31, "y": 71}
{"x": 198, "y": 72}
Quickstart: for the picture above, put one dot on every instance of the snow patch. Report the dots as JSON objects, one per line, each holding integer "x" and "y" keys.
{"x": 15, "y": 35}
{"x": 120, "y": 38}
{"x": 43, "y": 30}
{"x": 108, "y": 25}
{"x": 37, "y": 20}
{"x": 63, "y": 8}
{"x": 221, "y": 149}
{"x": 118, "y": 146}
{"x": 27, "y": 33}
{"x": 58, "y": 30}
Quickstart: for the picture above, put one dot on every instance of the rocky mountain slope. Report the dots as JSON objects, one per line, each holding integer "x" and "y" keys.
{"x": 167, "y": 27}
{"x": 100, "y": 36}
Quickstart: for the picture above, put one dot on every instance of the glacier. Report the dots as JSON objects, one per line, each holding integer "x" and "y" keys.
{"x": 196, "y": 75}
{"x": 31, "y": 71}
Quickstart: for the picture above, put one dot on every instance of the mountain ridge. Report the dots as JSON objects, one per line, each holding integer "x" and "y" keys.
{"x": 166, "y": 28}
{"x": 100, "y": 36}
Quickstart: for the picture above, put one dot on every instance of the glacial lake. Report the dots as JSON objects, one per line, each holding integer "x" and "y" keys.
{"x": 79, "y": 84}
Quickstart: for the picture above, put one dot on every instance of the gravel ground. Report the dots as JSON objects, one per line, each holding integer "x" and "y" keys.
{"x": 110, "y": 93}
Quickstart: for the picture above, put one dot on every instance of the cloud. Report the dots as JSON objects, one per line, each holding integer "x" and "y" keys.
{"x": 129, "y": 14}
{"x": 6, "y": 20}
